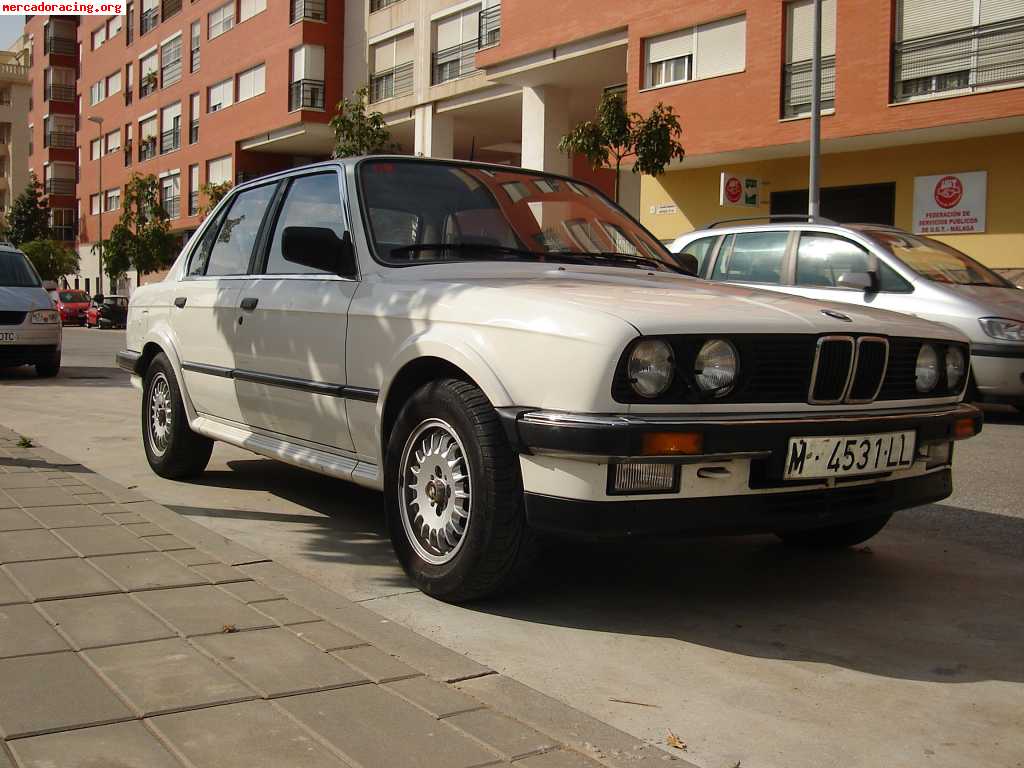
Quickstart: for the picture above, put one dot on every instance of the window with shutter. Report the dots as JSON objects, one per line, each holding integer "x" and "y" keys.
{"x": 797, "y": 78}
{"x": 707, "y": 50}
{"x": 252, "y": 82}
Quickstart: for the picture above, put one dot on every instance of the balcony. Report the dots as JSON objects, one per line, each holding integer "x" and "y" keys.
{"x": 148, "y": 20}
{"x": 55, "y": 92}
{"x": 797, "y": 83}
{"x": 490, "y": 26}
{"x": 170, "y": 140}
{"x": 148, "y": 85}
{"x": 392, "y": 83}
{"x": 308, "y": 10}
{"x": 379, "y": 5}
{"x": 172, "y": 206}
{"x": 170, "y": 73}
{"x": 67, "y": 46}
{"x": 59, "y": 139}
{"x": 147, "y": 148}
{"x": 306, "y": 94}
{"x": 65, "y": 233}
{"x": 959, "y": 62}
{"x": 453, "y": 63}
{"x": 60, "y": 187}
{"x": 15, "y": 72}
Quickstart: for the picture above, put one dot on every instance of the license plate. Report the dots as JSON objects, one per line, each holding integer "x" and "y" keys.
{"x": 8, "y": 337}
{"x": 845, "y": 455}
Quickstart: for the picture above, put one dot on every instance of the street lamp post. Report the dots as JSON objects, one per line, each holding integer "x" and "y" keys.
{"x": 813, "y": 181}
{"x": 99, "y": 125}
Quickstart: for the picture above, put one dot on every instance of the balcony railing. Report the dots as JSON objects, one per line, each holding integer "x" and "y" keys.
{"x": 148, "y": 20}
{"x": 60, "y": 139}
{"x": 59, "y": 186}
{"x": 490, "y": 26}
{"x": 56, "y": 44}
{"x": 129, "y": 27}
{"x": 193, "y": 203}
{"x": 147, "y": 86}
{"x": 193, "y": 131}
{"x": 306, "y": 94}
{"x": 128, "y": 153}
{"x": 392, "y": 83}
{"x": 170, "y": 73}
{"x": 453, "y": 63}
{"x": 961, "y": 61}
{"x": 147, "y": 149}
{"x": 315, "y": 10}
{"x": 378, "y": 5}
{"x": 56, "y": 92}
{"x": 172, "y": 206}
{"x": 14, "y": 72}
{"x": 65, "y": 233}
{"x": 170, "y": 140}
{"x": 127, "y": 96}
{"x": 797, "y": 83}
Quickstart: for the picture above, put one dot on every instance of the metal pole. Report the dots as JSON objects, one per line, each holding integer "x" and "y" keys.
{"x": 814, "y": 184}
{"x": 100, "y": 278}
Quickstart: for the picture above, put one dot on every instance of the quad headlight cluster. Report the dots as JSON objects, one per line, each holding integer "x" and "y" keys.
{"x": 652, "y": 368}
{"x": 930, "y": 362}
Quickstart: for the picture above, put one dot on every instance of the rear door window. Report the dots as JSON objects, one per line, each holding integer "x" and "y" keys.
{"x": 752, "y": 257}
{"x": 821, "y": 258}
{"x": 239, "y": 229}
{"x": 700, "y": 249}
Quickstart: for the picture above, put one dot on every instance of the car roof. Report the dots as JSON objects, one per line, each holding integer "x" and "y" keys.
{"x": 821, "y": 225}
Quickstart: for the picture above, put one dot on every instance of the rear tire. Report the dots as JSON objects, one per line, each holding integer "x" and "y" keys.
{"x": 50, "y": 367}
{"x": 454, "y": 496}
{"x": 173, "y": 450}
{"x": 836, "y": 536}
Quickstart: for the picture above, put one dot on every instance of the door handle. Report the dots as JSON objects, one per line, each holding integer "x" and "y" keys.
{"x": 249, "y": 303}
{"x": 180, "y": 301}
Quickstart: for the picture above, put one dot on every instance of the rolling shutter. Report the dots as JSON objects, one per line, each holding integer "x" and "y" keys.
{"x": 921, "y": 18}
{"x": 1001, "y": 10}
{"x": 405, "y": 51}
{"x": 448, "y": 33}
{"x": 721, "y": 47}
{"x": 670, "y": 46}
{"x": 383, "y": 56}
{"x": 800, "y": 29}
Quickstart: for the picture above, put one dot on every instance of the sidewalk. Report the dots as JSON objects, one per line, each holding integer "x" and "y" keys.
{"x": 133, "y": 637}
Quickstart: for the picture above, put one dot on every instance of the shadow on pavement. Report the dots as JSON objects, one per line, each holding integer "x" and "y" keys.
{"x": 79, "y": 376}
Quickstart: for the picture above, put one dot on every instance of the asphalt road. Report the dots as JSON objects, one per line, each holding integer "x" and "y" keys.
{"x": 905, "y": 652}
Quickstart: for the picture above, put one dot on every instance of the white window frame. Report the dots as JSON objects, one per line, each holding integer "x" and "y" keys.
{"x": 249, "y": 8}
{"x": 216, "y": 105}
{"x": 224, "y": 21}
{"x": 258, "y": 75}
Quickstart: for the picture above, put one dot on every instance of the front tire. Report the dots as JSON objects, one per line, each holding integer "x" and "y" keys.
{"x": 50, "y": 367}
{"x": 454, "y": 496}
{"x": 836, "y": 536}
{"x": 173, "y": 450}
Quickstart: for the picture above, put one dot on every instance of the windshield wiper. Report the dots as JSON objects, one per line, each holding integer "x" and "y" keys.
{"x": 495, "y": 252}
{"x": 633, "y": 260}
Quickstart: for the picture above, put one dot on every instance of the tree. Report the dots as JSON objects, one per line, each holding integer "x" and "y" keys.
{"x": 52, "y": 259}
{"x": 616, "y": 134}
{"x": 29, "y": 218}
{"x": 214, "y": 193}
{"x": 359, "y": 133}
{"x": 141, "y": 238}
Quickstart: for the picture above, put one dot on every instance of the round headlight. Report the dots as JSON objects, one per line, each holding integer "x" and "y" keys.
{"x": 927, "y": 369}
{"x": 651, "y": 368}
{"x": 956, "y": 368}
{"x": 716, "y": 367}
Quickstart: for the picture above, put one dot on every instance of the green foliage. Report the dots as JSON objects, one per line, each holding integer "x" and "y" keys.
{"x": 141, "y": 239}
{"x": 358, "y": 133}
{"x": 29, "y": 218}
{"x": 52, "y": 259}
{"x": 214, "y": 193}
{"x": 616, "y": 134}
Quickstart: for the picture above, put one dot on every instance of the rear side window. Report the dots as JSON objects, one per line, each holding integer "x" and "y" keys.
{"x": 16, "y": 271}
{"x": 752, "y": 257}
{"x": 237, "y": 232}
{"x": 312, "y": 201}
{"x": 699, "y": 249}
{"x": 821, "y": 258}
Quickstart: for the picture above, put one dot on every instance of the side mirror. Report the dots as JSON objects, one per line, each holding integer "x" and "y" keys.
{"x": 689, "y": 263}
{"x": 319, "y": 248}
{"x": 861, "y": 281}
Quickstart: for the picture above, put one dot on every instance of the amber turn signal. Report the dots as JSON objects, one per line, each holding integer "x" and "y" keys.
{"x": 670, "y": 443}
{"x": 963, "y": 428}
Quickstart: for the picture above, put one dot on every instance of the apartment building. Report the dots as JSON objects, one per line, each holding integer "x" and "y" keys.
{"x": 14, "y": 99}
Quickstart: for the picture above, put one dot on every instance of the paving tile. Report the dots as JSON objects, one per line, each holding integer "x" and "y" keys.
{"x": 24, "y": 480}
{"x": 253, "y": 734}
{"x": 146, "y": 529}
{"x": 23, "y": 631}
{"x": 41, "y": 497}
{"x": 560, "y": 758}
{"x": 9, "y": 592}
{"x": 122, "y": 745}
{"x": 297, "y": 666}
{"x": 192, "y": 557}
{"x": 326, "y": 637}
{"x": 16, "y": 520}
{"x": 62, "y": 479}
{"x": 50, "y": 579}
{"x": 103, "y": 540}
{"x": 166, "y": 542}
{"x": 21, "y": 546}
{"x": 5, "y": 761}
{"x": 201, "y": 610}
{"x": 251, "y": 591}
{"x": 125, "y": 517}
{"x": 91, "y": 498}
{"x": 438, "y": 699}
{"x": 375, "y": 664}
{"x": 512, "y": 739}
{"x": 68, "y": 517}
{"x": 219, "y": 573}
{"x": 153, "y": 570}
{"x": 166, "y": 676}
{"x": 92, "y": 622}
{"x": 286, "y": 612}
{"x": 373, "y": 727}
{"x": 6, "y": 502}
{"x": 53, "y": 692}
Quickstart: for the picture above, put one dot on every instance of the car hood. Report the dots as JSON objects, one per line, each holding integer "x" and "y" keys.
{"x": 23, "y": 299}
{"x": 658, "y": 303}
{"x": 992, "y": 302}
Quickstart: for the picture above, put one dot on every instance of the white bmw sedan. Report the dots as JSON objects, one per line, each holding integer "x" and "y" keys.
{"x": 507, "y": 354}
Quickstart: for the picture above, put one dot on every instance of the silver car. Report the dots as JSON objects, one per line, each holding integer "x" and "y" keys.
{"x": 30, "y": 329}
{"x": 876, "y": 266}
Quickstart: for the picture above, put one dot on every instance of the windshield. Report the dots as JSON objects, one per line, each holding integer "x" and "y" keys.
{"x": 16, "y": 271}
{"x": 73, "y": 297}
{"x": 937, "y": 261}
{"x": 421, "y": 212}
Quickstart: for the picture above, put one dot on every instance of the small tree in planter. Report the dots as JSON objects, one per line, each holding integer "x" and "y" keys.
{"x": 150, "y": 80}
{"x": 29, "y": 217}
{"x": 358, "y": 133}
{"x": 616, "y": 134}
{"x": 213, "y": 193}
{"x": 51, "y": 258}
{"x": 141, "y": 239}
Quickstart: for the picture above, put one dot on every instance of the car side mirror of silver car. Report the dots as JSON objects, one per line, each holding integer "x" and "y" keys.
{"x": 688, "y": 262}
{"x": 319, "y": 248}
{"x": 861, "y": 281}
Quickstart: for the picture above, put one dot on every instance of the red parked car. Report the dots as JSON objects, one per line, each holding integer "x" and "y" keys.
{"x": 72, "y": 306}
{"x": 107, "y": 312}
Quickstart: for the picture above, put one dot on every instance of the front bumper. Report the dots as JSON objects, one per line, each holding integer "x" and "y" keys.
{"x": 998, "y": 371}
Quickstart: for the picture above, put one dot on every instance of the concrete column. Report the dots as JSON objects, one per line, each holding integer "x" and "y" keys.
{"x": 545, "y": 121}
{"x": 435, "y": 134}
